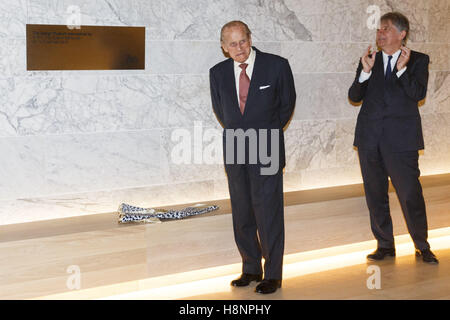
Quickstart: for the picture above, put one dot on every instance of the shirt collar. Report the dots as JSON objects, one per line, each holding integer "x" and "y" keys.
{"x": 250, "y": 60}
{"x": 395, "y": 56}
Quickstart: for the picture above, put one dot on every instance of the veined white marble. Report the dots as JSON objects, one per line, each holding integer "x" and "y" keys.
{"x": 310, "y": 145}
{"x": 188, "y": 101}
{"x": 196, "y": 19}
{"x": 440, "y": 95}
{"x": 438, "y": 26}
{"x": 13, "y": 18}
{"x": 346, "y": 154}
{"x": 183, "y": 57}
{"x": 22, "y": 167}
{"x": 330, "y": 177}
{"x": 272, "y": 20}
{"x": 436, "y": 132}
{"x": 323, "y": 96}
{"x": 82, "y": 142}
{"x": 98, "y": 12}
{"x": 193, "y": 154}
{"x": 102, "y": 161}
{"x": 45, "y": 165}
{"x": 80, "y": 104}
{"x": 12, "y": 57}
{"x": 79, "y": 204}
{"x": 322, "y": 57}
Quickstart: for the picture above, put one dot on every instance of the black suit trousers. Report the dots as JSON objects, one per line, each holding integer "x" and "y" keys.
{"x": 402, "y": 167}
{"x": 258, "y": 218}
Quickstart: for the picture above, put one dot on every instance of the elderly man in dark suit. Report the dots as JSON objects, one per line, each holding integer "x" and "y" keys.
{"x": 388, "y": 134}
{"x": 253, "y": 96}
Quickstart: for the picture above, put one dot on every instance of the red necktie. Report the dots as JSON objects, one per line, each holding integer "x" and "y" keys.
{"x": 244, "y": 84}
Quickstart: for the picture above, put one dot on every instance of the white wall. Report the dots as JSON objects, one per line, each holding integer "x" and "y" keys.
{"x": 74, "y": 143}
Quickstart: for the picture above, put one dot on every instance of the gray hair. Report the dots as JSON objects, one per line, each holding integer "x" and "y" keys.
{"x": 235, "y": 23}
{"x": 399, "y": 21}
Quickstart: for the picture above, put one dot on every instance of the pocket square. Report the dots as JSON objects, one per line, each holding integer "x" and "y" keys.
{"x": 263, "y": 87}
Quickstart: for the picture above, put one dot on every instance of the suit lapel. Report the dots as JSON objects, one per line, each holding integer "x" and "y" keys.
{"x": 379, "y": 66}
{"x": 257, "y": 69}
{"x": 231, "y": 84}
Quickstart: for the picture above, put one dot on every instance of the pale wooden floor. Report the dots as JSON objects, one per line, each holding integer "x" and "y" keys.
{"x": 403, "y": 278}
{"x": 34, "y": 257}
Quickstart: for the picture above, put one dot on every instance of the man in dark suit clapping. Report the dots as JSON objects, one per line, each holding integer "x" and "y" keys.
{"x": 253, "y": 97}
{"x": 388, "y": 134}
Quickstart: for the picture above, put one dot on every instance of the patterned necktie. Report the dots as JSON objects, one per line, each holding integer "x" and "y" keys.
{"x": 388, "y": 69}
{"x": 244, "y": 84}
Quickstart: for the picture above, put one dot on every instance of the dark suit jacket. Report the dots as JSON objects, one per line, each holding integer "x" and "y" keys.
{"x": 266, "y": 108}
{"x": 390, "y": 108}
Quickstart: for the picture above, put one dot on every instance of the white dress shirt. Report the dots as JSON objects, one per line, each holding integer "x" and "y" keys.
{"x": 237, "y": 70}
{"x": 365, "y": 76}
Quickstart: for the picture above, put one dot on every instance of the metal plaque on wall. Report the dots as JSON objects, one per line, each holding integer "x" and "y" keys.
{"x": 56, "y": 47}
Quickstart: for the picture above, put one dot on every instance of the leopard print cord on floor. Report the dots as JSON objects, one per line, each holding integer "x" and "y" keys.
{"x": 129, "y": 213}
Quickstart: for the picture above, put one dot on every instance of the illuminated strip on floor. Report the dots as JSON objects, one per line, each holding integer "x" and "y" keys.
{"x": 295, "y": 265}
{"x": 217, "y": 279}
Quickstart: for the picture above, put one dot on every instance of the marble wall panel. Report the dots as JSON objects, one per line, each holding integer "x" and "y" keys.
{"x": 196, "y": 19}
{"x": 80, "y": 204}
{"x": 13, "y": 18}
{"x": 268, "y": 46}
{"x": 165, "y": 194}
{"x": 438, "y": 93}
{"x": 428, "y": 19}
{"x": 310, "y": 14}
{"x": 436, "y": 131}
{"x": 189, "y": 101}
{"x": 104, "y": 136}
{"x": 102, "y": 161}
{"x": 12, "y": 57}
{"x": 310, "y": 144}
{"x": 322, "y": 57}
{"x": 323, "y": 96}
{"x": 99, "y": 12}
{"x": 346, "y": 153}
{"x": 22, "y": 167}
{"x": 438, "y": 26}
{"x": 192, "y": 154}
{"x": 441, "y": 92}
{"x": 55, "y": 105}
{"x": 361, "y": 21}
{"x": 291, "y": 182}
{"x": 273, "y": 20}
{"x": 417, "y": 12}
{"x": 183, "y": 57}
{"x": 335, "y": 21}
{"x": 439, "y": 56}
{"x": 322, "y": 178}
{"x": 24, "y": 103}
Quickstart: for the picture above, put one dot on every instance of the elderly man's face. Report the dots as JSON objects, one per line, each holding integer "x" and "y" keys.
{"x": 388, "y": 36}
{"x": 236, "y": 43}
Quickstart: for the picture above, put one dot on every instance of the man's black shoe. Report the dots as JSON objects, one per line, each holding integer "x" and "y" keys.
{"x": 245, "y": 279}
{"x": 268, "y": 286}
{"x": 380, "y": 253}
{"x": 427, "y": 256}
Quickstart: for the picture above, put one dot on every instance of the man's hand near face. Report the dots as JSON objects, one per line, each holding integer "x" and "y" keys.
{"x": 368, "y": 60}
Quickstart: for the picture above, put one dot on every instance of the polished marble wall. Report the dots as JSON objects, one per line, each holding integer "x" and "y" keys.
{"x": 82, "y": 142}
